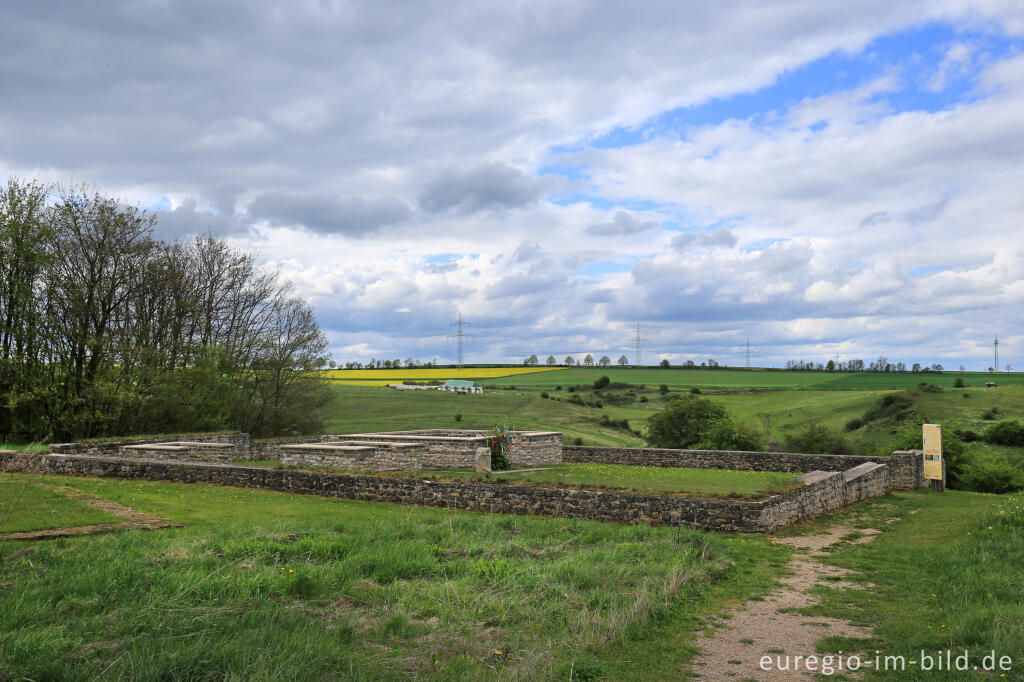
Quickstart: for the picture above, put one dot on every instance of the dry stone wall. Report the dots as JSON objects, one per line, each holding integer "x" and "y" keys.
{"x": 906, "y": 467}
{"x": 826, "y": 494}
{"x": 113, "y": 447}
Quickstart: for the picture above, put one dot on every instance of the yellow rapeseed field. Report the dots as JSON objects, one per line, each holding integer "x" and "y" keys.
{"x": 379, "y": 377}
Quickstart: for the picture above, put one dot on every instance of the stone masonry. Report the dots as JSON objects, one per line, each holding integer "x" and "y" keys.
{"x": 824, "y": 494}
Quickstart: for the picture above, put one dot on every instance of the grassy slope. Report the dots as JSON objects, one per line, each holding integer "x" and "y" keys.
{"x": 26, "y": 507}
{"x": 266, "y": 585}
{"x": 945, "y": 576}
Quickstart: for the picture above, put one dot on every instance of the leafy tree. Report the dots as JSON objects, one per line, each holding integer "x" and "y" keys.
{"x": 724, "y": 435}
{"x": 623, "y": 360}
{"x": 588, "y": 361}
{"x": 531, "y": 361}
{"x": 664, "y": 364}
{"x": 569, "y": 360}
{"x": 604, "y": 361}
{"x": 683, "y": 423}
{"x": 551, "y": 360}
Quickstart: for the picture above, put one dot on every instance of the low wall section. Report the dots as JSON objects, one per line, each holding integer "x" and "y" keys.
{"x": 113, "y": 448}
{"x": 906, "y": 467}
{"x": 822, "y": 496}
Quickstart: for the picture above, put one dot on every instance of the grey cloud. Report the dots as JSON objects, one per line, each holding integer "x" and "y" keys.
{"x": 915, "y": 216}
{"x": 486, "y": 186}
{"x": 721, "y": 236}
{"x": 438, "y": 268}
{"x": 328, "y": 214}
{"x": 526, "y": 251}
{"x": 622, "y": 224}
{"x": 186, "y": 220}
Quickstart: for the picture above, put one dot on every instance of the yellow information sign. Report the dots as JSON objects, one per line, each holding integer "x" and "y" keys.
{"x": 933, "y": 452}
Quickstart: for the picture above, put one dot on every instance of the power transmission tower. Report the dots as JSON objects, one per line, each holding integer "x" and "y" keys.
{"x": 748, "y": 351}
{"x": 457, "y": 336}
{"x": 995, "y": 345}
{"x": 637, "y": 341}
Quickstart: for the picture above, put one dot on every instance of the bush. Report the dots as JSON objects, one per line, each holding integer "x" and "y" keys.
{"x": 959, "y": 383}
{"x": 895, "y": 405}
{"x": 726, "y": 436}
{"x": 577, "y": 441}
{"x": 558, "y": 388}
{"x": 544, "y": 394}
{"x": 1006, "y": 433}
{"x": 695, "y": 391}
{"x": 663, "y": 389}
{"x": 683, "y": 423}
{"x": 990, "y": 475}
{"x": 601, "y": 382}
{"x": 990, "y": 414}
{"x": 571, "y": 389}
{"x": 643, "y": 399}
{"x": 854, "y": 424}
{"x": 929, "y": 388}
{"x": 816, "y": 438}
{"x": 458, "y": 417}
{"x": 968, "y": 435}
{"x": 605, "y": 420}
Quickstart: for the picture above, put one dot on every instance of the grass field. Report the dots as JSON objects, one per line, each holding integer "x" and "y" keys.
{"x": 742, "y": 378}
{"x": 690, "y": 482}
{"x": 946, "y": 576}
{"x": 25, "y": 506}
{"x": 261, "y": 585}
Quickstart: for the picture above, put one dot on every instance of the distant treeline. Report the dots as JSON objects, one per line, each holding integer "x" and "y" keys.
{"x": 105, "y": 330}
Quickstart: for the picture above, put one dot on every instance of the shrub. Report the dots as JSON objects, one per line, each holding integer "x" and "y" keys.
{"x": 854, "y": 424}
{"x": 726, "y": 436}
{"x": 929, "y": 388}
{"x": 577, "y": 441}
{"x": 959, "y": 383}
{"x": 695, "y": 391}
{"x": 458, "y": 417}
{"x": 990, "y": 414}
{"x": 663, "y": 389}
{"x": 1006, "y": 433}
{"x": 816, "y": 438}
{"x": 601, "y": 382}
{"x": 894, "y": 405}
{"x": 558, "y": 388}
{"x": 968, "y": 435}
{"x": 643, "y": 399}
{"x": 967, "y": 395}
{"x": 990, "y": 475}
{"x": 572, "y": 389}
{"x": 605, "y": 420}
{"x": 544, "y": 394}
{"x": 683, "y": 423}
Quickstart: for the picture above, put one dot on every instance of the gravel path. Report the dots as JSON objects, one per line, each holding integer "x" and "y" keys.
{"x": 733, "y": 651}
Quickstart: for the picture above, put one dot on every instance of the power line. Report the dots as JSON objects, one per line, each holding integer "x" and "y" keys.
{"x": 637, "y": 341}
{"x": 457, "y": 336}
{"x": 995, "y": 346}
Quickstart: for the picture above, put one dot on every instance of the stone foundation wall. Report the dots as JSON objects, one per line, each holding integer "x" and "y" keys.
{"x": 271, "y": 449}
{"x": 175, "y": 452}
{"x": 113, "y": 447}
{"x": 704, "y": 513}
{"x": 906, "y": 467}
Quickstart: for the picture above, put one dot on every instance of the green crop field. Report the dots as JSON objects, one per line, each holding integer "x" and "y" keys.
{"x": 752, "y": 378}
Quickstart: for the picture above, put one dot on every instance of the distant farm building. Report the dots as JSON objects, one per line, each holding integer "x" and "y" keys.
{"x": 460, "y": 386}
{"x": 412, "y": 387}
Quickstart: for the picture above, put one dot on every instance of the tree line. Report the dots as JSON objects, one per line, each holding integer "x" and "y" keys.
{"x": 106, "y": 330}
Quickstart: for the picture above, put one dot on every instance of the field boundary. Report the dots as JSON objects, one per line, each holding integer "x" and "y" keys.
{"x": 826, "y": 492}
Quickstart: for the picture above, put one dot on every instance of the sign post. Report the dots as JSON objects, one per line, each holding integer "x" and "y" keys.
{"x": 932, "y": 434}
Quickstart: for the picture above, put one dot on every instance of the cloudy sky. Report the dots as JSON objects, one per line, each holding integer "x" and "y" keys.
{"x": 821, "y": 178}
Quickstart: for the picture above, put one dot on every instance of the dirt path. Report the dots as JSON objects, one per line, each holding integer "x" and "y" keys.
{"x": 132, "y": 518}
{"x": 762, "y": 628}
